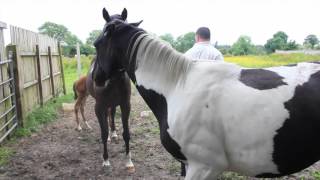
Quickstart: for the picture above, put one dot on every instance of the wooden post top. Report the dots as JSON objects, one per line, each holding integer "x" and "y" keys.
{"x": 3, "y": 25}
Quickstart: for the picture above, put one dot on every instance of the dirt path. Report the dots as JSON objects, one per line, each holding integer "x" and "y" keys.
{"x": 58, "y": 151}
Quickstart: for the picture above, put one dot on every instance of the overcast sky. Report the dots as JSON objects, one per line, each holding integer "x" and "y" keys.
{"x": 227, "y": 19}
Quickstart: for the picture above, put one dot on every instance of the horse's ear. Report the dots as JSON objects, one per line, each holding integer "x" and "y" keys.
{"x": 124, "y": 14}
{"x": 106, "y": 15}
{"x": 137, "y": 23}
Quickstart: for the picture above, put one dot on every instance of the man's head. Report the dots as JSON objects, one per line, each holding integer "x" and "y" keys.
{"x": 203, "y": 34}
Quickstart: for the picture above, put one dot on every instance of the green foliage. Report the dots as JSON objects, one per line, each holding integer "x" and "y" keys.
{"x": 169, "y": 38}
{"x": 184, "y": 42}
{"x": 243, "y": 46}
{"x": 224, "y": 49}
{"x": 54, "y": 30}
{"x": 93, "y": 36}
{"x": 69, "y": 40}
{"x": 311, "y": 40}
{"x": 280, "y": 42}
{"x": 5, "y": 153}
{"x": 86, "y": 49}
{"x": 316, "y": 175}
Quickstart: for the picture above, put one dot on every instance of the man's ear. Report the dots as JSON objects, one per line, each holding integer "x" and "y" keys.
{"x": 124, "y": 14}
{"x": 106, "y": 15}
{"x": 136, "y": 24}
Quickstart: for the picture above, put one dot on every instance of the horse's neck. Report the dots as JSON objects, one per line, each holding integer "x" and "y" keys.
{"x": 158, "y": 67}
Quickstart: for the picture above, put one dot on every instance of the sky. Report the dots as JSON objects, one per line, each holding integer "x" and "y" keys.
{"x": 227, "y": 19}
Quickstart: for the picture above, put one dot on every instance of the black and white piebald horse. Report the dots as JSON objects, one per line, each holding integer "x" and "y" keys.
{"x": 219, "y": 116}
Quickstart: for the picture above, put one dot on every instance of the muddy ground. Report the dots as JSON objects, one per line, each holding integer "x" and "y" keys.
{"x": 58, "y": 151}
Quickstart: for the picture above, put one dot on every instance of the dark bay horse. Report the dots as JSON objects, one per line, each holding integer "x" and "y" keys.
{"x": 219, "y": 116}
{"x": 110, "y": 93}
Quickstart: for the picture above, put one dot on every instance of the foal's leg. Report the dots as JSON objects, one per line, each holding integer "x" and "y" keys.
{"x": 104, "y": 130}
{"x": 82, "y": 112}
{"x": 125, "y": 112}
{"x": 76, "y": 110}
{"x": 114, "y": 135}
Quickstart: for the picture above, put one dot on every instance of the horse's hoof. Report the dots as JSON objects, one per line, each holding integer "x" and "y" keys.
{"x": 131, "y": 169}
{"x": 109, "y": 140}
{"x": 106, "y": 163}
{"x": 79, "y": 128}
{"x": 88, "y": 126}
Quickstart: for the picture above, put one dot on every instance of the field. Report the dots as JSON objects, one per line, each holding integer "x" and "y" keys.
{"x": 56, "y": 150}
{"x": 271, "y": 60}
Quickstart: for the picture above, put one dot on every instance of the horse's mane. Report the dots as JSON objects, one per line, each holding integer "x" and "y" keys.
{"x": 157, "y": 57}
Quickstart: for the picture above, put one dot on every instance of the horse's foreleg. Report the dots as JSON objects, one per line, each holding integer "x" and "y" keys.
{"x": 183, "y": 169}
{"x": 82, "y": 112}
{"x": 125, "y": 112}
{"x": 104, "y": 130}
{"x": 114, "y": 135}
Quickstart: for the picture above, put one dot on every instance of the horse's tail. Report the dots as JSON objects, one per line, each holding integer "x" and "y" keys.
{"x": 74, "y": 91}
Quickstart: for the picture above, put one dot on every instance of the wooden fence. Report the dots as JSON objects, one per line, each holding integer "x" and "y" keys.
{"x": 39, "y": 70}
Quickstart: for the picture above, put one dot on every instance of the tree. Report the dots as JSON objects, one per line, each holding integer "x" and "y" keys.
{"x": 243, "y": 46}
{"x": 54, "y": 30}
{"x": 184, "y": 42}
{"x": 311, "y": 40}
{"x": 87, "y": 49}
{"x": 278, "y": 41}
{"x": 169, "y": 38}
{"x": 93, "y": 36}
{"x": 291, "y": 45}
{"x": 62, "y": 34}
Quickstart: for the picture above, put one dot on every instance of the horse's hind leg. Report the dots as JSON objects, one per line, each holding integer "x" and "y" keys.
{"x": 104, "y": 130}
{"x": 125, "y": 111}
{"x": 82, "y": 112}
{"x": 114, "y": 135}
{"x": 76, "y": 110}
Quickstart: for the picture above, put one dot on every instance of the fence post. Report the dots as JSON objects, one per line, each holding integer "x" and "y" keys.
{"x": 18, "y": 87}
{"x": 51, "y": 72}
{"x": 78, "y": 60}
{"x": 61, "y": 69}
{"x": 39, "y": 74}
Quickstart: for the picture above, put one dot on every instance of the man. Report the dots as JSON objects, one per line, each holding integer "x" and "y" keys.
{"x": 203, "y": 49}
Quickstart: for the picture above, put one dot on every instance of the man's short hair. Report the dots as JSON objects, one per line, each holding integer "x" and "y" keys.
{"x": 204, "y": 33}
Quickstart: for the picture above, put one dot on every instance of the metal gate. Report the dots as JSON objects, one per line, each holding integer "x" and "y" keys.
{"x": 8, "y": 112}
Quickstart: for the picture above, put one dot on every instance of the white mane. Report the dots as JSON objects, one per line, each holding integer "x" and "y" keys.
{"x": 159, "y": 61}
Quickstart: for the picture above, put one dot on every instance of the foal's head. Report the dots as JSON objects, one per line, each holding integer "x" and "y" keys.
{"x": 112, "y": 46}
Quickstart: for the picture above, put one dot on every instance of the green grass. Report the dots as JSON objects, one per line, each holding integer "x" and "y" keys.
{"x": 70, "y": 70}
{"x": 5, "y": 154}
{"x": 271, "y": 60}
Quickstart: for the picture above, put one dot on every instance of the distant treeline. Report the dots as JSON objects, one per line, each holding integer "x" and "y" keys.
{"x": 243, "y": 46}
